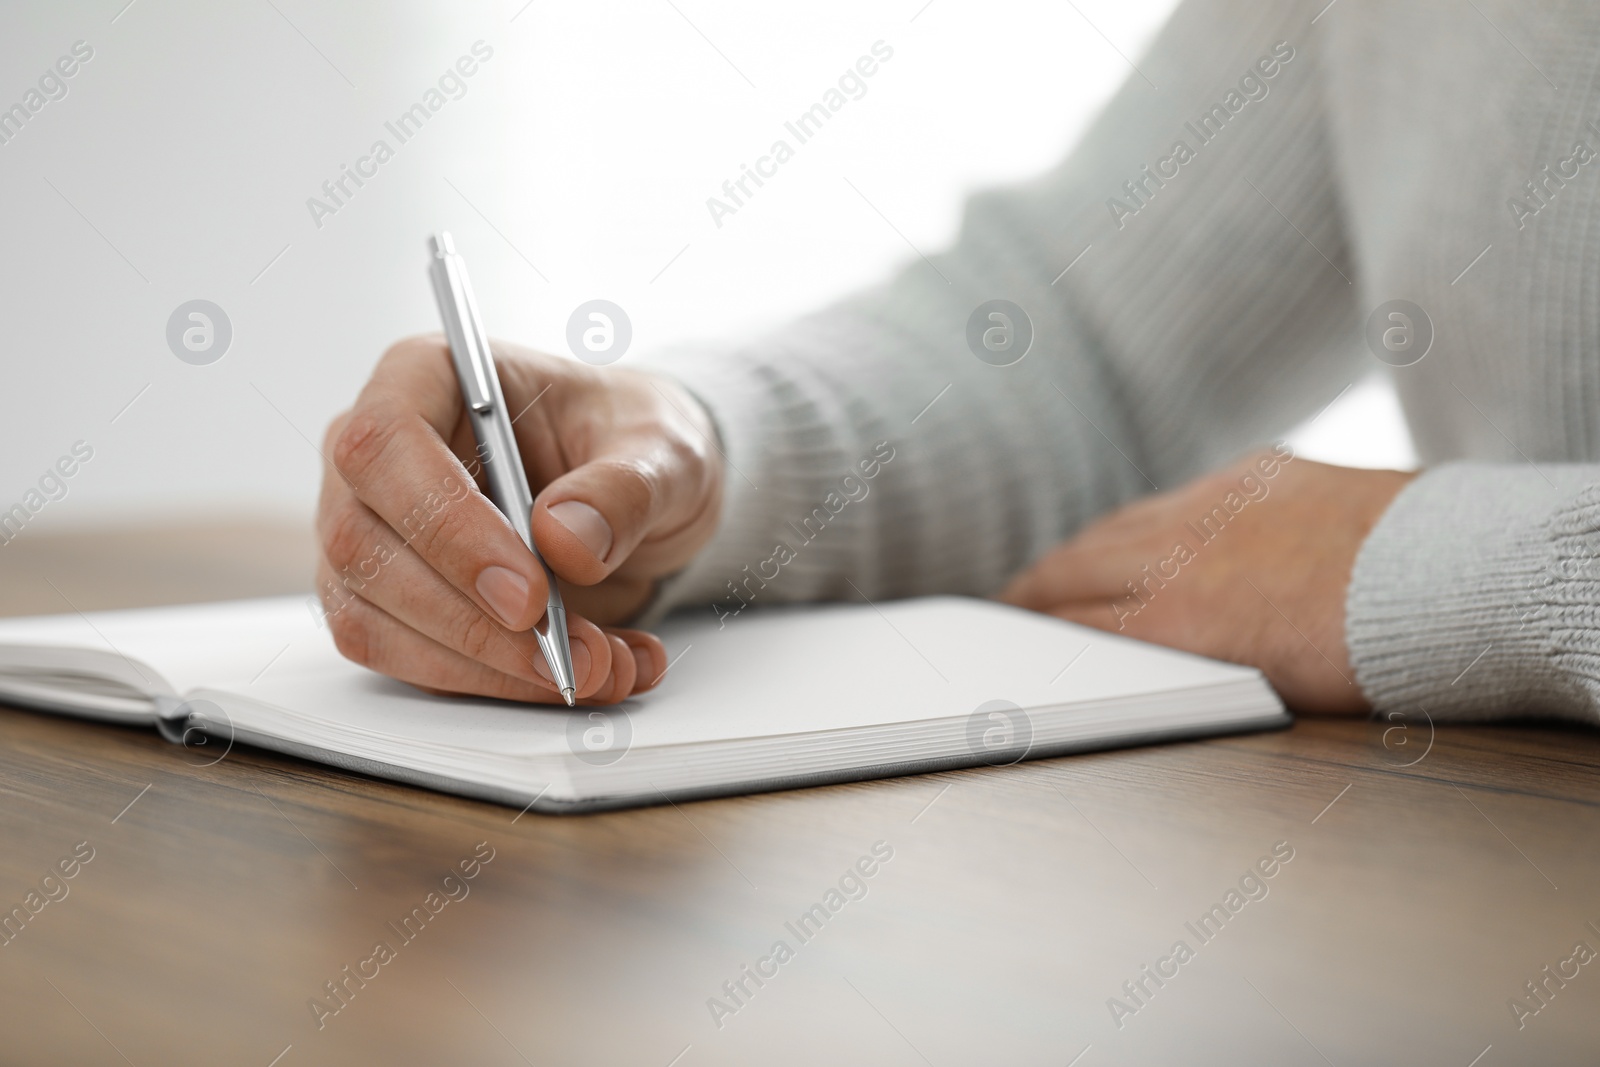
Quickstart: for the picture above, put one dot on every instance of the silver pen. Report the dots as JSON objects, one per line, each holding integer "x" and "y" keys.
{"x": 497, "y": 443}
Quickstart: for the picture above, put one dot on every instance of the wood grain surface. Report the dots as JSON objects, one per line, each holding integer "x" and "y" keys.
{"x": 1433, "y": 874}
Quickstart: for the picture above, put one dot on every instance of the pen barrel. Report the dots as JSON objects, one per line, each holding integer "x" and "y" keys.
{"x": 498, "y": 455}
{"x": 502, "y": 467}
{"x": 499, "y": 458}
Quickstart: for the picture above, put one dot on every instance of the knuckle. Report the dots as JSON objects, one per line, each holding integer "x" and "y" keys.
{"x": 345, "y": 535}
{"x": 335, "y": 428}
{"x": 638, "y": 485}
{"x": 693, "y": 458}
{"x": 1216, "y": 482}
{"x": 527, "y": 374}
{"x": 352, "y": 637}
{"x": 436, "y": 527}
{"x": 362, "y": 440}
{"x": 477, "y": 635}
{"x": 408, "y": 350}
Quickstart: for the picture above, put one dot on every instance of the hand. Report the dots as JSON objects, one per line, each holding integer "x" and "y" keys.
{"x": 1249, "y": 564}
{"x": 423, "y": 579}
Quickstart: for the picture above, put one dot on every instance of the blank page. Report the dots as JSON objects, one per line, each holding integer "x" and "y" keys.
{"x": 225, "y": 645}
{"x": 776, "y": 672}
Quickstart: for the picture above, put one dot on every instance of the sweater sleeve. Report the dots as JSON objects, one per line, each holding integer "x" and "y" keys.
{"x": 1474, "y": 596}
{"x": 1188, "y": 285}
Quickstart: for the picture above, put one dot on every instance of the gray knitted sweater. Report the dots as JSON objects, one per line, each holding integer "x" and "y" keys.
{"x": 1218, "y": 295}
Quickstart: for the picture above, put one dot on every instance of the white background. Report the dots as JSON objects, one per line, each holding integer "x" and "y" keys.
{"x": 179, "y": 164}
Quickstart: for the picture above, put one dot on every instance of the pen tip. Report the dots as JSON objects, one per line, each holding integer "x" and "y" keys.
{"x": 567, "y": 695}
{"x": 440, "y": 244}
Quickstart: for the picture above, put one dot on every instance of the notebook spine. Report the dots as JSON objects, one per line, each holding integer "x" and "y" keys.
{"x": 172, "y": 718}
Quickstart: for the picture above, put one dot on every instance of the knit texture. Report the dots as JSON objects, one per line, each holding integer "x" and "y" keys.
{"x": 1325, "y": 169}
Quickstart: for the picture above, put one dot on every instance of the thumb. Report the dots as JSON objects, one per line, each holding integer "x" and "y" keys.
{"x": 592, "y": 520}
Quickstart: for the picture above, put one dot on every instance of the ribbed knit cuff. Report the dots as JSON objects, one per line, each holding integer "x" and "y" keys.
{"x": 768, "y": 432}
{"x": 1475, "y": 596}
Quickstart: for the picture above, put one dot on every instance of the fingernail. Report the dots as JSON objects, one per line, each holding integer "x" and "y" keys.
{"x": 588, "y": 524}
{"x": 505, "y": 591}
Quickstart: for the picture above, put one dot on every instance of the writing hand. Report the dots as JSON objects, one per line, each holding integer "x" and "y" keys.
{"x": 424, "y": 580}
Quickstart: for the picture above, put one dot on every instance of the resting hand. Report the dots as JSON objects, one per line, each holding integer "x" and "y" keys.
{"x": 423, "y": 578}
{"x": 1249, "y": 564}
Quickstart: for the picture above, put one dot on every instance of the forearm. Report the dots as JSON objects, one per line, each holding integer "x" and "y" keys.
{"x": 1178, "y": 339}
{"x": 867, "y": 458}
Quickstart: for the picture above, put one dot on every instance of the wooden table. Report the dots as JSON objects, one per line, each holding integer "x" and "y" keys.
{"x": 1422, "y": 894}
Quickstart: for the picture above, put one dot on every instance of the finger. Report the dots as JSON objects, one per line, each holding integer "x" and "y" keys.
{"x": 370, "y": 562}
{"x": 367, "y": 635}
{"x": 1102, "y": 615}
{"x": 649, "y": 656}
{"x": 392, "y": 450}
{"x": 641, "y": 475}
{"x": 622, "y": 674}
{"x": 1078, "y": 571}
{"x": 1129, "y": 617}
{"x": 614, "y": 600}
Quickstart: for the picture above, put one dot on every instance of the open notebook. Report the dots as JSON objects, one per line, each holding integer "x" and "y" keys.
{"x": 778, "y": 698}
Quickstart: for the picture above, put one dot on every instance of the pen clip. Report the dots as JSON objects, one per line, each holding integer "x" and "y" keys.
{"x": 463, "y": 329}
